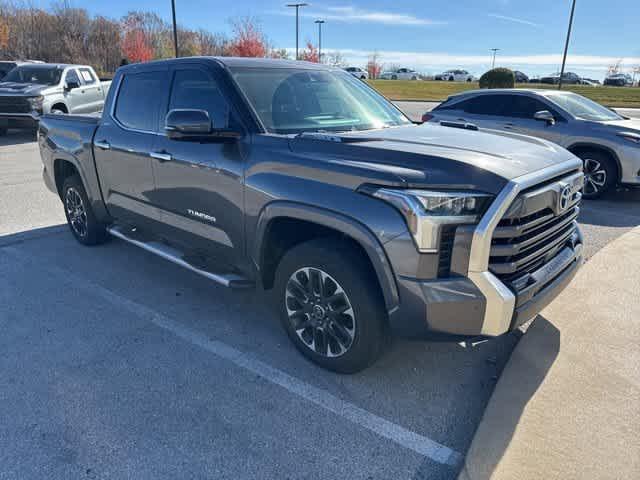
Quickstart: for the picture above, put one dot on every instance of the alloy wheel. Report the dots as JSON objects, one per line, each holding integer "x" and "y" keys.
{"x": 320, "y": 312}
{"x": 595, "y": 176}
{"x": 76, "y": 212}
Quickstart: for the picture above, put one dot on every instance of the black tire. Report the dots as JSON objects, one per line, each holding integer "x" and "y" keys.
{"x": 601, "y": 173}
{"x": 451, "y": 79}
{"x": 80, "y": 217}
{"x": 348, "y": 341}
{"x": 394, "y": 77}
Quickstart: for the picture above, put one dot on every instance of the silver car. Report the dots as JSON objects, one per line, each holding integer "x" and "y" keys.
{"x": 608, "y": 143}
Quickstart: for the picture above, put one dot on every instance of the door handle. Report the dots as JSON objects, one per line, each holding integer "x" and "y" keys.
{"x": 102, "y": 144}
{"x": 161, "y": 156}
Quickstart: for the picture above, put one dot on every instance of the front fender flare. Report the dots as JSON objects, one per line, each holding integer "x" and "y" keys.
{"x": 336, "y": 221}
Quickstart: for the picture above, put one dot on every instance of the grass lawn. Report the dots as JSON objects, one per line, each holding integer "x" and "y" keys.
{"x": 433, "y": 91}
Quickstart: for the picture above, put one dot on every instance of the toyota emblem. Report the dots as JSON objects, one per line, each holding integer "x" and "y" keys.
{"x": 566, "y": 195}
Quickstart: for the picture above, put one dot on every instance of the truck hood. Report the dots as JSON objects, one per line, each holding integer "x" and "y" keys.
{"x": 22, "y": 89}
{"x": 432, "y": 153}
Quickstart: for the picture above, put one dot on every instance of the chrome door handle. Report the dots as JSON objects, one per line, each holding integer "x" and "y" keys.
{"x": 161, "y": 156}
{"x": 102, "y": 144}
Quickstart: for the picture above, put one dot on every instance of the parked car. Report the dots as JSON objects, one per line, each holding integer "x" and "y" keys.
{"x": 520, "y": 77}
{"x": 358, "y": 72}
{"x": 608, "y": 143}
{"x": 7, "y": 65}
{"x": 455, "y": 76}
{"x": 568, "y": 78}
{"x": 400, "y": 74}
{"x": 287, "y": 176}
{"x": 619, "y": 80}
{"x": 32, "y": 89}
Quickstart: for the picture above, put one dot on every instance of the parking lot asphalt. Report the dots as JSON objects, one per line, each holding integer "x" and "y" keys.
{"x": 117, "y": 364}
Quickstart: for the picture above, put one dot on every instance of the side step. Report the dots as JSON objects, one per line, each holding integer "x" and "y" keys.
{"x": 231, "y": 280}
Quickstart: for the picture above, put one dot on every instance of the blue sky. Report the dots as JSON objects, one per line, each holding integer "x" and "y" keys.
{"x": 428, "y": 35}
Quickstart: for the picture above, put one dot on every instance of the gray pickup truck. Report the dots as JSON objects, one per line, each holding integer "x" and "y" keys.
{"x": 300, "y": 179}
{"x": 30, "y": 90}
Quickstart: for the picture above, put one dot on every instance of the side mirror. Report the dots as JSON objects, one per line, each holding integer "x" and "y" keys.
{"x": 187, "y": 124}
{"x": 71, "y": 85}
{"x": 181, "y": 123}
{"x": 545, "y": 116}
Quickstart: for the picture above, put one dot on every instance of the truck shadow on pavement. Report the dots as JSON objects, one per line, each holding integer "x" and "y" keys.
{"x": 519, "y": 383}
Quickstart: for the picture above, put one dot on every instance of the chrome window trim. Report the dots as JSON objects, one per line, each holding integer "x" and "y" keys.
{"x": 500, "y": 301}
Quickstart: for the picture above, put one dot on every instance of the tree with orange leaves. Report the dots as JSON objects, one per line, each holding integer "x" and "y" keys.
{"x": 135, "y": 46}
{"x": 248, "y": 39}
{"x": 310, "y": 53}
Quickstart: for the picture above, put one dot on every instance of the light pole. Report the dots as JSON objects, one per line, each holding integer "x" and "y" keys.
{"x": 566, "y": 44}
{"x": 175, "y": 28}
{"x": 493, "y": 61}
{"x": 319, "y": 22}
{"x": 297, "y": 7}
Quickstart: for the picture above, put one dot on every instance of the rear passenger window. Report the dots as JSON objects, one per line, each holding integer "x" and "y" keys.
{"x": 485, "y": 105}
{"x": 137, "y": 102}
{"x": 521, "y": 106}
{"x": 195, "y": 89}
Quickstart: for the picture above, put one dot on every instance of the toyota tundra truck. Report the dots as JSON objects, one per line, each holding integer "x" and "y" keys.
{"x": 299, "y": 179}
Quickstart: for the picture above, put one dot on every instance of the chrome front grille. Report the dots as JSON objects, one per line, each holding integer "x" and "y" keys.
{"x": 540, "y": 222}
{"x": 14, "y": 105}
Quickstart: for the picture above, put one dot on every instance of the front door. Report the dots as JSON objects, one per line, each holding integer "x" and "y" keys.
{"x": 123, "y": 142}
{"x": 199, "y": 184}
{"x": 74, "y": 94}
{"x": 518, "y": 113}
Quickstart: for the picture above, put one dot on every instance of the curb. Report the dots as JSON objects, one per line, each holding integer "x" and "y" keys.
{"x": 568, "y": 402}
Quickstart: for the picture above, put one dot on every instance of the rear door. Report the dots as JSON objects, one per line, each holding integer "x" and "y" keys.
{"x": 124, "y": 140}
{"x": 485, "y": 111}
{"x": 199, "y": 185}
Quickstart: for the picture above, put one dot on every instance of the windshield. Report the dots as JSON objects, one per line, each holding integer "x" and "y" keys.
{"x": 582, "y": 107}
{"x": 294, "y": 101}
{"x": 33, "y": 74}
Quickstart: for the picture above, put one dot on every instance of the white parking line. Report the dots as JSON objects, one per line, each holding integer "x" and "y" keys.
{"x": 357, "y": 415}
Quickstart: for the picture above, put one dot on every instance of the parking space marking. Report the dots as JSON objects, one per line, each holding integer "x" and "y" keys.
{"x": 402, "y": 436}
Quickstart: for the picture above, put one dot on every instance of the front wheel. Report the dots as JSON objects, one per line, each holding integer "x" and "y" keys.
{"x": 330, "y": 306}
{"x": 80, "y": 217}
{"x": 600, "y": 174}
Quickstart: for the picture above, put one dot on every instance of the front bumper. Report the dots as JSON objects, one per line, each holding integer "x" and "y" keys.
{"x": 19, "y": 120}
{"x": 480, "y": 304}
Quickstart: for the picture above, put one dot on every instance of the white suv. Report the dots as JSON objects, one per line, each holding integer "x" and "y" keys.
{"x": 400, "y": 74}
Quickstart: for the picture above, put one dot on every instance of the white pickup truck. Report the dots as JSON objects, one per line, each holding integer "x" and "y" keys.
{"x": 33, "y": 89}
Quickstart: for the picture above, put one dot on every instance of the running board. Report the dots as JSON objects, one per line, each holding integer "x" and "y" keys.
{"x": 231, "y": 280}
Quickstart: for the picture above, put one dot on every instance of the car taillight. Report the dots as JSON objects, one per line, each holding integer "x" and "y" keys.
{"x": 426, "y": 117}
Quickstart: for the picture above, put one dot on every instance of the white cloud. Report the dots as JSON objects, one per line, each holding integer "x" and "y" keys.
{"x": 351, "y": 14}
{"x": 514, "y": 20}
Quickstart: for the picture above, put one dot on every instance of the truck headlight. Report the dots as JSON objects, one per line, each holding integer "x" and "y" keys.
{"x": 36, "y": 102}
{"x": 425, "y": 211}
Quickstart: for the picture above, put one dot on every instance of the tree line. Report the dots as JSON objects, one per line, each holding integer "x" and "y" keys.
{"x": 64, "y": 34}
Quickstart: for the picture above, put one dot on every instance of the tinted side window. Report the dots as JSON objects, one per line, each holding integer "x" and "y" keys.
{"x": 195, "y": 89}
{"x": 72, "y": 77}
{"x": 521, "y": 106}
{"x": 136, "y": 106}
{"x": 485, "y": 105}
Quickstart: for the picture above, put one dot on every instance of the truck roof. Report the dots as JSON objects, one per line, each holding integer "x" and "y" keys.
{"x": 240, "y": 62}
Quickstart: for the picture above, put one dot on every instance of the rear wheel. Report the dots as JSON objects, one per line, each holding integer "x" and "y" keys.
{"x": 80, "y": 217}
{"x": 394, "y": 77}
{"x": 600, "y": 173}
{"x": 330, "y": 306}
